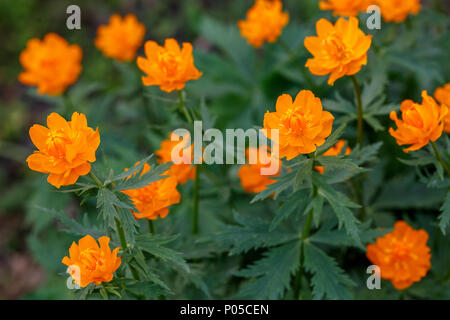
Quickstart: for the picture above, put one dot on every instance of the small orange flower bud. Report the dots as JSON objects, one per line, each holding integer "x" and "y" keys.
{"x": 420, "y": 124}
{"x": 265, "y": 22}
{"x": 90, "y": 263}
{"x": 51, "y": 64}
{"x": 168, "y": 67}
{"x": 334, "y": 151}
{"x": 121, "y": 38}
{"x": 302, "y": 124}
{"x": 348, "y": 8}
{"x": 398, "y": 10}
{"x": 65, "y": 148}
{"x": 442, "y": 95}
{"x": 153, "y": 200}
{"x": 250, "y": 175}
{"x": 338, "y": 50}
{"x": 183, "y": 171}
{"x": 402, "y": 255}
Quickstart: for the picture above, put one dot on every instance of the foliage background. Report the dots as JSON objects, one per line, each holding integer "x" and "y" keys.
{"x": 238, "y": 86}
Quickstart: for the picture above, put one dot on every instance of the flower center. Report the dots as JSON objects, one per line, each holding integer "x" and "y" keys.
{"x": 91, "y": 259}
{"x": 169, "y": 62}
{"x": 401, "y": 251}
{"x": 336, "y": 48}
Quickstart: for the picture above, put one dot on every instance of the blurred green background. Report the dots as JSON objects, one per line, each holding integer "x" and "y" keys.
{"x": 238, "y": 85}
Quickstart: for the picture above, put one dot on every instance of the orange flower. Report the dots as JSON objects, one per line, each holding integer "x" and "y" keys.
{"x": 265, "y": 21}
{"x": 334, "y": 151}
{"x": 398, "y": 10}
{"x": 442, "y": 95}
{"x": 338, "y": 50}
{"x": 153, "y": 200}
{"x": 121, "y": 38}
{"x": 183, "y": 171}
{"x": 51, "y": 64}
{"x": 168, "y": 67}
{"x": 250, "y": 175}
{"x": 302, "y": 124}
{"x": 421, "y": 123}
{"x": 402, "y": 255}
{"x": 65, "y": 148}
{"x": 90, "y": 263}
{"x": 348, "y": 8}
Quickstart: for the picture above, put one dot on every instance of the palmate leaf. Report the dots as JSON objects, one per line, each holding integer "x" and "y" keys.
{"x": 273, "y": 272}
{"x": 134, "y": 179}
{"x": 340, "y": 205}
{"x": 151, "y": 244}
{"x": 297, "y": 201}
{"x": 337, "y": 162}
{"x": 328, "y": 280}
{"x": 281, "y": 183}
{"x": 444, "y": 217}
{"x": 366, "y": 154}
{"x": 251, "y": 233}
{"x": 332, "y": 139}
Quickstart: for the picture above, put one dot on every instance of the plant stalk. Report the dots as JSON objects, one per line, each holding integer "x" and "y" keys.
{"x": 183, "y": 107}
{"x": 439, "y": 158}
{"x": 359, "y": 106}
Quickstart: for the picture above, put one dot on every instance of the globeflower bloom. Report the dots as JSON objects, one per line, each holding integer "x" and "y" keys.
{"x": 442, "y": 95}
{"x": 338, "y": 50}
{"x": 265, "y": 22}
{"x": 402, "y": 255}
{"x": 420, "y": 124}
{"x": 51, "y": 64}
{"x": 89, "y": 262}
{"x": 303, "y": 124}
{"x": 121, "y": 38}
{"x": 65, "y": 148}
{"x": 250, "y": 174}
{"x": 398, "y": 10}
{"x": 184, "y": 170}
{"x": 153, "y": 200}
{"x": 168, "y": 67}
{"x": 334, "y": 151}
{"x": 348, "y": 8}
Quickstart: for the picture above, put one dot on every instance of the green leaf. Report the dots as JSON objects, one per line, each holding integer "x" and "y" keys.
{"x": 340, "y": 205}
{"x": 444, "y": 217}
{"x": 328, "y": 280}
{"x": 274, "y": 272}
{"x": 296, "y": 201}
{"x": 251, "y": 233}
{"x": 303, "y": 174}
{"x": 152, "y": 245}
{"x": 336, "y": 162}
{"x": 281, "y": 183}
{"x": 366, "y": 154}
{"x": 332, "y": 139}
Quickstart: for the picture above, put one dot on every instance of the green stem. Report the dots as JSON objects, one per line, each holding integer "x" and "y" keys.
{"x": 304, "y": 236}
{"x": 183, "y": 107}
{"x": 302, "y": 69}
{"x": 120, "y": 233}
{"x": 439, "y": 158}
{"x": 196, "y": 187}
{"x": 151, "y": 228}
{"x": 359, "y": 111}
{"x": 95, "y": 179}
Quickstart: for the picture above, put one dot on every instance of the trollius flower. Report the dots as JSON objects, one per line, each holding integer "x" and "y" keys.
{"x": 51, "y": 64}
{"x": 442, "y": 95}
{"x": 65, "y": 148}
{"x": 168, "y": 67}
{"x": 154, "y": 200}
{"x": 250, "y": 174}
{"x": 265, "y": 22}
{"x": 303, "y": 124}
{"x": 420, "y": 123}
{"x": 398, "y": 10}
{"x": 338, "y": 50}
{"x": 402, "y": 255}
{"x": 89, "y": 262}
{"x": 121, "y": 38}
{"x": 334, "y": 151}
{"x": 348, "y": 8}
{"x": 182, "y": 171}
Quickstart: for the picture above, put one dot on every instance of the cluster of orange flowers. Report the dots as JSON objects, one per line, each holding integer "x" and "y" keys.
{"x": 66, "y": 149}
{"x": 391, "y": 10}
